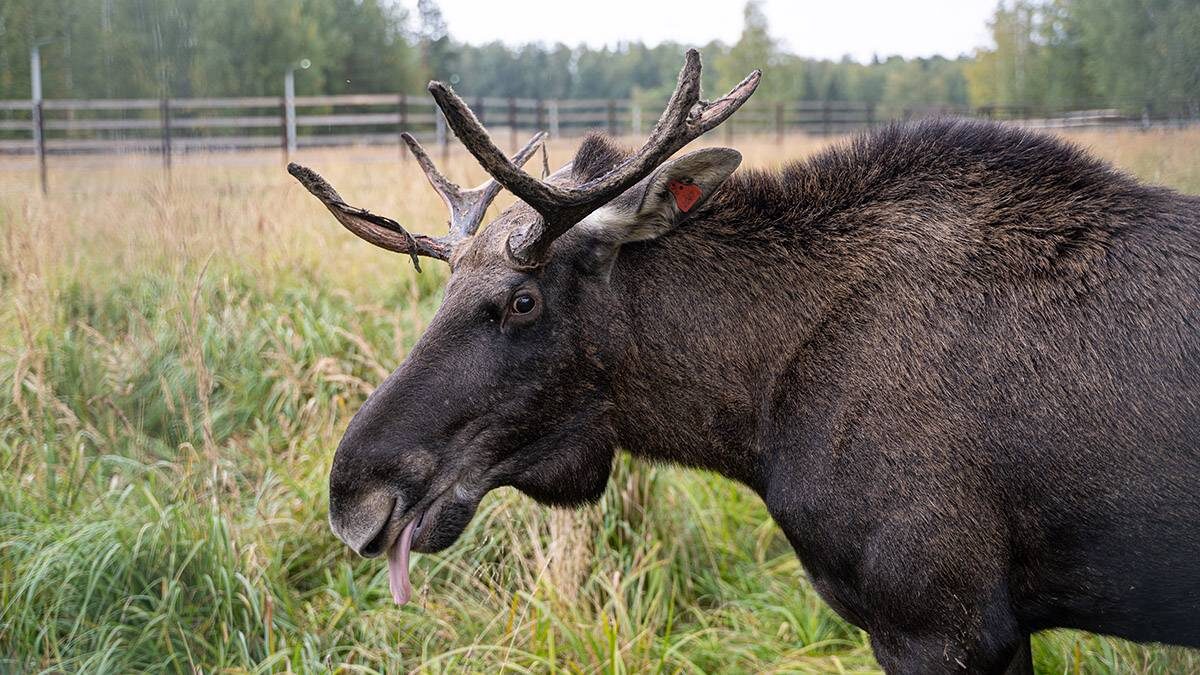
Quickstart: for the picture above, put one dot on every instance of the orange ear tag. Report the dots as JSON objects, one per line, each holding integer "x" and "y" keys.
{"x": 686, "y": 194}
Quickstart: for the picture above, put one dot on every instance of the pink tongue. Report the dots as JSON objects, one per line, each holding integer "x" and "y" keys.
{"x": 398, "y": 565}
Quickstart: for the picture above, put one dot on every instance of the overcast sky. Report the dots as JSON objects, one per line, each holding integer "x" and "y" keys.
{"x": 815, "y": 28}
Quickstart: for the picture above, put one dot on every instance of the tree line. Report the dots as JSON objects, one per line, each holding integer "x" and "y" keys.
{"x": 1079, "y": 53}
{"x": 1061, "y": 53}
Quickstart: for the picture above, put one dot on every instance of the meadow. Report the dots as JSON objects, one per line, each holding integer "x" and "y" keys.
{"x": 178, "y": 360}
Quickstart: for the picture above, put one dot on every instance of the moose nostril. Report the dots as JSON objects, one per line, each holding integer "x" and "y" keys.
{"x": 379, "y": 543}
{"x": 363, "y": 524}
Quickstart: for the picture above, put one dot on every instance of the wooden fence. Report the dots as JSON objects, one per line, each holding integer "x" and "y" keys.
{"x": 184, "y": 125}
{"x": 170, "y": 127}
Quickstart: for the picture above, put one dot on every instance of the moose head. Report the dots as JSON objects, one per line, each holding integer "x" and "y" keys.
{"x": 512, "y": 382}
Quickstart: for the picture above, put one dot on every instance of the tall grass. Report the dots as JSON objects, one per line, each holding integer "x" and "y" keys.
{"x": 177, "y": 362}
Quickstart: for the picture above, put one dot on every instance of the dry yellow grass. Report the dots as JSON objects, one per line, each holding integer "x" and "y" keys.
{"x": 245, "y": 206}
{"x": 177, "y": 360}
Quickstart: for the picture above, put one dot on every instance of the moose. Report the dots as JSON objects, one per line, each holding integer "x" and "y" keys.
{"x": 959, "y": 362}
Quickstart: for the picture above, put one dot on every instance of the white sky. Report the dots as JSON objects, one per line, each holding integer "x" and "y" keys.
{"x": 814, "y": 28}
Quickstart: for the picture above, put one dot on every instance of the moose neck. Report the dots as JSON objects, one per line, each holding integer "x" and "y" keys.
{"x": 713, "y": 330}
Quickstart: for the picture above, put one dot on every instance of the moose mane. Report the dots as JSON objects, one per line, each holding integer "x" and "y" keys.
{"x": 982, "y": 193}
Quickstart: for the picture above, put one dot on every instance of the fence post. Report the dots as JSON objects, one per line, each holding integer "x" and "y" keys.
{"x": 635, "y": 118}
{"x": 612, "y": 117}
{"x": 164, "y": 116}
{"x": 289, "y": 111}
{"x": 553, "y": 111}
{"x": 283, "y": 129}
{"x": 512, "y": 123}
{"x": 36, "y": 110}
{"x": 402, "y": 123}
{"x": 826, "y": 118}
{"x": 779, "y": 123}
{"x": 443, "y": 142}
{"x": 39, "y": 138}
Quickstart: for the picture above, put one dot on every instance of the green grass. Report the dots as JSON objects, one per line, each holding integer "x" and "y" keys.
{"x": 175, "y": 371}
{"x": 150, "y": 526}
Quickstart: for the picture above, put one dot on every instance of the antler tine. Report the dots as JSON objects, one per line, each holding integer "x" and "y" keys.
{"x": 467, "y": 207}
{"x": 379, "y": 230}
{"x": 707, "y": 116}
{"x": 684, "y": 118}
{"x": 476, "y": 139}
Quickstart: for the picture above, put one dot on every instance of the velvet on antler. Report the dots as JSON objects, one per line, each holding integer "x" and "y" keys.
{"x": 467, "y": 207}
{"x": 686, "y": 117}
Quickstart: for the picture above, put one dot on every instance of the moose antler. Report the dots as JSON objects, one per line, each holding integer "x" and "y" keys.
{"x": 685, "y": 118}
{"x": 467, "y": 207}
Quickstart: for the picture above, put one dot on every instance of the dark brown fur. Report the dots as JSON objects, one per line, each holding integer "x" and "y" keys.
{"x": 960, "y": 363}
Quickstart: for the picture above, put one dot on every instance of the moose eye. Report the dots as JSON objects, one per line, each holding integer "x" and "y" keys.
{"x": 523, "y": 304}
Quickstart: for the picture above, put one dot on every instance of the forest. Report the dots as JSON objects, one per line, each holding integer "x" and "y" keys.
{"x": 1051, "y": 54}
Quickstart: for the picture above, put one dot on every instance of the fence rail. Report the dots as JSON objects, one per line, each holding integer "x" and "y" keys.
{"x": 172, "y": 126}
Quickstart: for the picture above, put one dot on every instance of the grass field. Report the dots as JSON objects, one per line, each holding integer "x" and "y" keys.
{"x": 177, "y": 363}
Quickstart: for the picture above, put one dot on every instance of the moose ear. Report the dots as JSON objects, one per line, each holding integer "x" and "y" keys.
{"x": 664, "y": 199}
{"x": 680, "y": 187}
